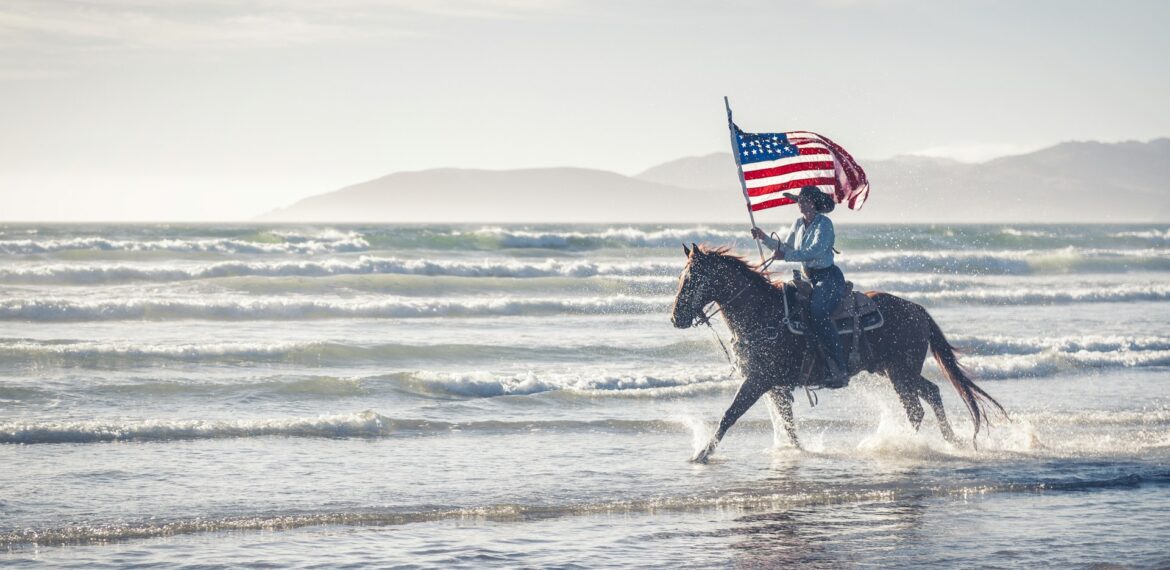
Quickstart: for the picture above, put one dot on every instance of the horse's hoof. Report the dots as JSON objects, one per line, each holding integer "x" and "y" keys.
{"x": 701, "y": 457}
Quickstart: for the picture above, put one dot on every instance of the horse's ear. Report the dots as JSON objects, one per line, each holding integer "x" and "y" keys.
{"x": 695, "y": 248}
{"x": 686, "y": 251}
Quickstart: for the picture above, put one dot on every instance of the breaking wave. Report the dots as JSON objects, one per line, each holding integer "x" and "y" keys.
{"x": 368, "y": 424}
{"x": 991, "y": 356}
{"x": 1008, "y": 262}
{"x": 266, "y": 243}
{"x": 682, "y": 370}
{"x": 711, "y": 377}
{"x": 364, "y": 424}
{"x": 1031, "y": 233}
{"x": 1119, "y": 293}
{"x": 289, "y": 309}
{"x": 940, "y": 262}
{"x": 331, "y": 307}
{"x": 123, "y": 354}
{"x": 854, "y": 238}
{"x": 114, "y": 273}
{"x": 608, "y": 238}
{"x": 1050, "y": 363}
{"x": 1162, "y": 236}
{"x": 696, "y": 380}
{"x": 999, "y": 344}
{"x": 1000, "y": 357}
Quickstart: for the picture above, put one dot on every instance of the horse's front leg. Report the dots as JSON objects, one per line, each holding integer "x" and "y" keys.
{"x": 748, "y": 393}
{"x": 780, "y": 404}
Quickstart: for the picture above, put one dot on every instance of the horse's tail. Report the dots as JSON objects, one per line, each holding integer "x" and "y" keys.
{"x": 974, "y": 396}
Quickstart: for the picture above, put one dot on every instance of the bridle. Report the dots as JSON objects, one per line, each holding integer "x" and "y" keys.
{"x": 705, "y": 318}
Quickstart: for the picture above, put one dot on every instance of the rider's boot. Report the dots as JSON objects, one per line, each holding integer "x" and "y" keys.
{"x": 837, "y": 376}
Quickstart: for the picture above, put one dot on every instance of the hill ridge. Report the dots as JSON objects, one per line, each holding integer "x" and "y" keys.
{"x": 1074, "y": 181}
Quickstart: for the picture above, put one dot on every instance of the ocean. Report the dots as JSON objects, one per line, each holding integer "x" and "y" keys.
{"x": 354, "y": 396}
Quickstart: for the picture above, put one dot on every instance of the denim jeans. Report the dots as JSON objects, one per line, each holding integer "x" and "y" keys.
{"x": 828, "y": 287}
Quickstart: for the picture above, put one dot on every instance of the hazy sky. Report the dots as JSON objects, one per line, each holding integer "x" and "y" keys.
{"x": 219, "y": 109}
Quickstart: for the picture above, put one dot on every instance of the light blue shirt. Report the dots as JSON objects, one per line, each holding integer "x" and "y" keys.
{"x": 811, "y": 245}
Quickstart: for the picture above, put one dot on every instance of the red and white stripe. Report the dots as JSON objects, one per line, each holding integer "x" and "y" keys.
{"x": 821, "y": 163}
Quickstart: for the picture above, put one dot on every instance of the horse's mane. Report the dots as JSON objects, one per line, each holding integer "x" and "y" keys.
{"x": 748, "y": 269}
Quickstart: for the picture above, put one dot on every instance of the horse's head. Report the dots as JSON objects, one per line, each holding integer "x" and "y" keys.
{"x": 695, "y": 289}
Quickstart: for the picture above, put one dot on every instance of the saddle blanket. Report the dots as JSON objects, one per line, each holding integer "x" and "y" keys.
{"x": 853, "y": 303}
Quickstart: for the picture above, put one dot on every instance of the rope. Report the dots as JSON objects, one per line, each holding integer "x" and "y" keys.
{"x": 726, "y": 353}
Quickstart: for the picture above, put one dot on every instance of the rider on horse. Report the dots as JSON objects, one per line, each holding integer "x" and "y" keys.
{"x": 810, "y": 241}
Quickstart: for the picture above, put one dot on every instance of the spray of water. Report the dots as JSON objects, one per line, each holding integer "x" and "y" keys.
{"x": 701, "y": 431}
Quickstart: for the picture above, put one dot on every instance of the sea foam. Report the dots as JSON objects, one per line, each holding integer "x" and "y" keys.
{"x": 67, "y": 273}
{"x": 57, "y": 309}
{"x": 290, "y": 243}
{"x": 366, "y": 424}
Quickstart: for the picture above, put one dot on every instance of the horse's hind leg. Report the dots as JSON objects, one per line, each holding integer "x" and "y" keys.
{"x": 929, "y": 392}
{"x": 780, "y": 406}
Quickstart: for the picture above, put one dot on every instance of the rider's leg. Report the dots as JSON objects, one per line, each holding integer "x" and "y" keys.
{"x": 826, "y": 295}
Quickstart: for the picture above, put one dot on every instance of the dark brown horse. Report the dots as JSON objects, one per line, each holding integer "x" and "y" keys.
{"x": 770, "y": 361}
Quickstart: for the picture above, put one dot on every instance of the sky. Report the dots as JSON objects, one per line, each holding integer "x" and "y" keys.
{"x": 201, "y": 110}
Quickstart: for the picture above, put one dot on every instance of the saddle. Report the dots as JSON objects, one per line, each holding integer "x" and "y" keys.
{"x": 855, "y": 314}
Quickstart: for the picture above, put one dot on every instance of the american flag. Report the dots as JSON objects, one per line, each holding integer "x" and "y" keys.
{"x": 777, "y": 162}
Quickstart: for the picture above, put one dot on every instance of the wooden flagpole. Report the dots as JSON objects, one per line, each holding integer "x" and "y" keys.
{"x": 742, "y": 182}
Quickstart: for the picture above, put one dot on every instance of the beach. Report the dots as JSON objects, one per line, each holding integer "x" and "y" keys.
{"x": 330, "y": 395}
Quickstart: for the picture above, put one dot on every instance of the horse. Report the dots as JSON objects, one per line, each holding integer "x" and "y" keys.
{"x": 769, "y": 356}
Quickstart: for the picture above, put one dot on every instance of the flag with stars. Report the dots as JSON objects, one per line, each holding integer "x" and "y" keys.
{"x": 774, "y": 163}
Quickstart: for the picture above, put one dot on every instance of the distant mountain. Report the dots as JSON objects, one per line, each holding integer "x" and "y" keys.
{"x": 556, "y": 195}
{"x": 1069, "y": 182}
{"x": 711, "y": 172}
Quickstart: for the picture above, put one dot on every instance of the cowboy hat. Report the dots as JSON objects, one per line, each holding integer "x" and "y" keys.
{"x": 823, "y": 202}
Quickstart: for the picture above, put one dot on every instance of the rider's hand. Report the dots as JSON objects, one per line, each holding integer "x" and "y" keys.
{"x": 758, "y": 233}
{"x": 779, "y": 255}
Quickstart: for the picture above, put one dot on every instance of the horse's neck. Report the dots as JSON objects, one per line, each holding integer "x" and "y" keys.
{"x": 741, "y": 302}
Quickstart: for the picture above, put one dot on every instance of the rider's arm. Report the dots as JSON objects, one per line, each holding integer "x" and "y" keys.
{"x": 820, "y": 244}
{"x": 770, "y": 242}
{"x": 790, "y": 240}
